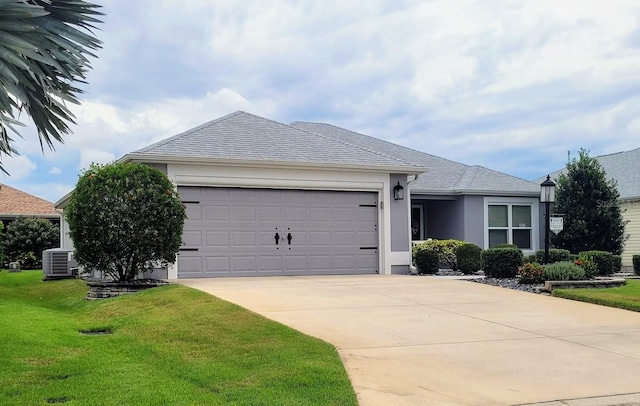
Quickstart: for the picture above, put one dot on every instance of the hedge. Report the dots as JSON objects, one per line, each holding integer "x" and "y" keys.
{"x": 501, "y": 262}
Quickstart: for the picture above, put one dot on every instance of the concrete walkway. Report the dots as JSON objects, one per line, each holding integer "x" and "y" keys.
{"x": 408, "y": 340}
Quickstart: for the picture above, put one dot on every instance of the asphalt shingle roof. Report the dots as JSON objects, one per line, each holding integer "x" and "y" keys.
{"x": 246, "y": 137}
{"x": 623, "y": 166}
{"x": 14, "y": 203}
{"x": 444, "y": 176}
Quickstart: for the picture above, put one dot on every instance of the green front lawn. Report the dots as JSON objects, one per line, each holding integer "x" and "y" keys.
{"x": 170, "y": 346}
{"x": 624, "y": 297}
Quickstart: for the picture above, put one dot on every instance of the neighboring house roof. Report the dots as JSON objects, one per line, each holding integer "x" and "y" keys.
{"x": 445, "y": 177}
{"x": 623, "y": 167}
{"x": 246, "y": 138}
{"x": 16, "y": 203}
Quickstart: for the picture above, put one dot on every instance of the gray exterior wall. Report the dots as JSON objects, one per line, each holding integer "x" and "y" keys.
{"x": 474, "y": 220}
{"x": 399, "y": 211}
{"x": 161, "y": 167}
{"x": 399, "y": 269}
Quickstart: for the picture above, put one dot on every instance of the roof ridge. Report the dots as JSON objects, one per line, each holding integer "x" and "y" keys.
{"x": 378, "y": 139}
{"x": 189, "y": 131}
{"x": 618, "y": 153}
{"x": 503, "y": 173}
{"x": 352, "y": 145}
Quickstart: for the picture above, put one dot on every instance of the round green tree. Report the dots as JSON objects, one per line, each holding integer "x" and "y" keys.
{"x": 26, "y": 237}
{"x": 124, "y": 218}
{"x": 592, "y": 216}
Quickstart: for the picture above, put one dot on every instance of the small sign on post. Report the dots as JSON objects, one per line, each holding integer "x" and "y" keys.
{"x": 556, "y": 224}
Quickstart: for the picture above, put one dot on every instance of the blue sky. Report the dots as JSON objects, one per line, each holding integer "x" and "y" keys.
{"x": 510, "y": 85}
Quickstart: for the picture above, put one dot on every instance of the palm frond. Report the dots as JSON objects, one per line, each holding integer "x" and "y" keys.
{"x": 44, "y": 49}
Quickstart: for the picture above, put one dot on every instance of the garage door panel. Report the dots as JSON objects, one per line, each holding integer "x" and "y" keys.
{"x": 319, "y": 239}
{"x": 209, "y": 194}
{"x": 295, "y": 263}
{"x": 347, "y": 238}
{"x": 232, "y": 232}
{"x": 244, "y": 213}
{"x": 192, "y": 238}
{"x": 344, "y": 214}
{"x": 296, "y": 214}
{"x": 216, "y": 213}
{"x": 270, "y": 214}
{"x": 240, "y": 195}
{"x": 367, "y": 238}
{"x": 218, "y": 265}
{"x": 270, "y": 263}
{"x": 320, "y": 262}
{"x": 193, "y": 211}
{"x": 318, "y": 214}
{"x": 218, "y": 239}
{"x": 364, "y": 214}
{"x": 192, "y": 264}
{"x": 345, "y": 262}
{"x": 243, "y": 264}
{"x": 244, "y": 239}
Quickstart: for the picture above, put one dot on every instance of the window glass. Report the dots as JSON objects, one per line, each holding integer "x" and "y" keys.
{"x": 497, "y": 237}
{"x": 521, "y": 216}
{"x": 498, "y": 216}
{"x": 522, "y": 238}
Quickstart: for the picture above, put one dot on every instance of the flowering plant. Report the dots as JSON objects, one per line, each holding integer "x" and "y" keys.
{"x": 587, "y": 263}
{"x": 531, "y": 273}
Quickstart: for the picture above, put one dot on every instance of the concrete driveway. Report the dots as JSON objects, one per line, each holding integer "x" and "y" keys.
{"x": 408, "y": 340}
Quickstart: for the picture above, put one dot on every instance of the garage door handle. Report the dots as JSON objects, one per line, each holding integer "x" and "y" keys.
{"x": 289, "y": 238}
{"x": 277, "y": 238}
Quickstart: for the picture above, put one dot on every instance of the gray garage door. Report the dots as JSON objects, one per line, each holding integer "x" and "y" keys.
{"x": 252, "y": 232}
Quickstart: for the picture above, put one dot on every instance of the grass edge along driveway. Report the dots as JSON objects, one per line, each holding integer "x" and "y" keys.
{"x": 171, "y": 345}
{"x": 624, "y": 297}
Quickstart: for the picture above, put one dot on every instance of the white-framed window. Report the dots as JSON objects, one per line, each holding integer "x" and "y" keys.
{"x": 511, "y": 221}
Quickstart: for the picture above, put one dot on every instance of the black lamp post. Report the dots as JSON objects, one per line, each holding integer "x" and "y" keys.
{"x": 547, "y": 196}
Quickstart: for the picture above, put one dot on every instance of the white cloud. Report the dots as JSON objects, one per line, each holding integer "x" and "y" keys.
{"x": 55, "y": 170}
{"x": 89, "y": 156}
{"x": 19, "y": 167}
{"x": 466, "y": 80}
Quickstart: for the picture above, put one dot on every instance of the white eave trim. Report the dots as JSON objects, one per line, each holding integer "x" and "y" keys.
{"x": 408, "y": 169}
{"x": 474, "y": 192}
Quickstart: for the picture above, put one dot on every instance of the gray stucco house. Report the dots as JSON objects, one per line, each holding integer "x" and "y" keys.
{"x": 457, "y": 201}
{"x": 267, "y": 198}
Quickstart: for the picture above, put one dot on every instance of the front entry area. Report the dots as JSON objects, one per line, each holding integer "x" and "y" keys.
{"x": 254, "y": 232}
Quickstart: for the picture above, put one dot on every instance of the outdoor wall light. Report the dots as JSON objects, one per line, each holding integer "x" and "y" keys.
{"x": 547, "y": 196}
{"x": 398, "y": 192}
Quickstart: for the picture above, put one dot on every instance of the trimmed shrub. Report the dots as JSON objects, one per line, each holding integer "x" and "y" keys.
{"x": 125, "y": 218}
{"x": 425, "y": 259}
{"x": 604, "y": 261}
{"x": 563, "y": 271}
{"x": 636, "y": 264}
{"x": 446, "y": 250}
{"x": 530, "y": 258}
{"x": 586, "y": 262}
{"x": 555, "y": 255}
{"x": 25, "y": 239}
{"x": 617, "y": 263}
{"x": 469, "y": 257}
{"x": 501, "y": 262}
{"x": 531, "y": 273}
